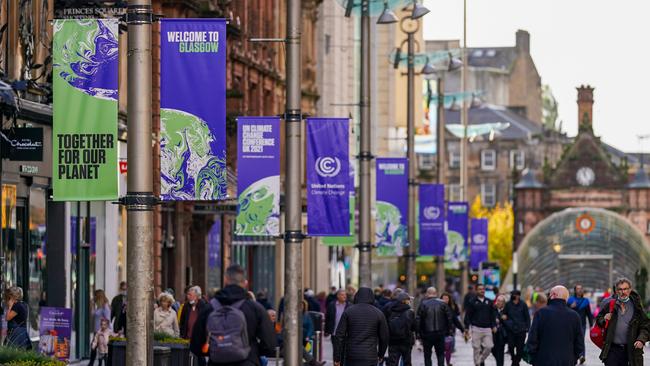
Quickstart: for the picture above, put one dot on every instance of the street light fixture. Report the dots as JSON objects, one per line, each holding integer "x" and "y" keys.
{"x": 419, "y": 10}
{"x": 428, "y": 69}
{"x": 454, "y": 63}
{"x": 387, "y": 16}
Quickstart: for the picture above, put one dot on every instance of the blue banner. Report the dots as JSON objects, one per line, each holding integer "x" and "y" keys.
{"x": 432, "y": 219}
{"x": 479, "y": 242}
{"x": 258, "y": 176}
{"x": 328, "y": 177}
{"x": 456, "y": 250}
{"x": 193, "y": 109}
{"x": 391, "y": 234}
{"x": 214, "y": 245}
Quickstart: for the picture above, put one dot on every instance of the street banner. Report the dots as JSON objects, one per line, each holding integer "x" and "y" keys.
{"x": 258, "y": 176}
{"x": 83, "y": 235}
{"x": 391, "y": 234}
{"x": 348, "y": 240}
{"x": 214, "y": 245}
{"x": 55, "y": 330}
{"x": 193, "y": 109}
{"x": 328, "y": 177}
{"x": 456, "y": 249}
{"x": 432, "y": 219}
{"x": 479, "y": 242}
{"x": 84, "y": 134}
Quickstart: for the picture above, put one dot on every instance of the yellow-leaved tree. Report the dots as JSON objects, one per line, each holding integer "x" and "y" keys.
{"x": 501, "y": 224}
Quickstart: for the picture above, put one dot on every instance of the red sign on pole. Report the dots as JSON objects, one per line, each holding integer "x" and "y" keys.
{"x": 123, "y": 166}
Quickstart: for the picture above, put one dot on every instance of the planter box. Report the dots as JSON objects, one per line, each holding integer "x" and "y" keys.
{"x": 180, "y": 353}
{"x": 116, "y": 353}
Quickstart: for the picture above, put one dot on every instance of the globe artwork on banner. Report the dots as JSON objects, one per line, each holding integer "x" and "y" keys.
{"x": 390, "y": 234}
{"x": 88, "y": 50}
{"x": 455, "y": 249}
{"x": 259, "y": 208}
{"x": 189, "y": 169}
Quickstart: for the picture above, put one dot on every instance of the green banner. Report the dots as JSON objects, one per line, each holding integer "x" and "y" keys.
{"x": 85, "y": 60}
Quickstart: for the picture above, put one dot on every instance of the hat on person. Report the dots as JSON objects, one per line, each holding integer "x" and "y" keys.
{"x": 403, "y": 296}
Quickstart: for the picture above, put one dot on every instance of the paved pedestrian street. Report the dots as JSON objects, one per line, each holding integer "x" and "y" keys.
{"x": 463, "y": 355}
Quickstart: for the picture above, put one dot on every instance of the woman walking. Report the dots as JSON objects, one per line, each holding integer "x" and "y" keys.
{"x": 102, "y": 311}
{"x": 17, "y": 315}
{"x": 450, "y": 341}
{"x": 164, "y": 317}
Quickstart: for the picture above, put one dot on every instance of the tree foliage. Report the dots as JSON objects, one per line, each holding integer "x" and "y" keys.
{"x": 501, "y": 223}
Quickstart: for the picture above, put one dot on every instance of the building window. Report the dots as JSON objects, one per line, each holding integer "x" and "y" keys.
{"x": 454, "y": 159}
{"x": 517, "y": 159}
{"x": 453, "y": 192}
{"x": 426, "y": 161}
{"x": 488, "y": 160}
{"x": 489, "y": 194}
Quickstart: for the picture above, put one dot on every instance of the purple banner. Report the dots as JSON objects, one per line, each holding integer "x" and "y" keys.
{"x": 391, "y": 233}
{"x": 193, "y": 109}
{"x": 456, "y": 250}
{"x": 55, "y": 330}
{"x": 432, "y": 219}
{"x": 258, "y": 176}
{"x": 214, "y": 245}
{"x": 479, "y": 242}
{"x": 328, "y": 177}
{"x": 73, "y": 234}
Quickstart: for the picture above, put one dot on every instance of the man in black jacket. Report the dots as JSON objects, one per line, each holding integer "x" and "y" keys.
{"x": 480, "y": 319}
{"x": 434, "y": 322}
{"x": 628, "y": 329}
{"x": 260, "y": 330}
{"x": 556, "y": 337}
{"x": 401, "y": 326}
{"x": 361, "y": 338}
{"x": 517, "y": 322}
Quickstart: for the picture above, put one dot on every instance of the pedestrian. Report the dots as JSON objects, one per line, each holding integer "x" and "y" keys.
{"x": 556, "y": 337}
{"x": 310, "y": 297}
{"x": 263, "y": 299}
{"x": 16, "y": 316}
{"x": 434, "y": 322}
{"x": 540, "y": 302}
{"x": 100, "y": 341}
{"x": 517, "y": 323}
{"x": 471, "y": 293}
{"x": 335, "y": 311}
{"x": 401, "y": 329}
{"x": 117, "y": 304}
{"x": 450, "y": 340}
{"x": 389, "y": 304}
{"x": 480, "y": 319}
{"x": 500, "y": 337}
{"x": 192, "y": 309}
{"x": 361, "y": 337}
{"x": 580, "y": 304}
{"x": 261, "y": 336}
{"x": 332, "y": 295}
{"x": 384, "y": 298}
{"x": 176, "y": 305}
{"x": 101, "y": 311}
{"x": 164, "y": 317}
{"x": 628, "y": 329}
{"x": 321, "y": 297}
{"x": 351, "y": 292}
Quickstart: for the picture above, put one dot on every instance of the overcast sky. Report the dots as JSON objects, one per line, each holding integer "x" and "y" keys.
{"x": 602, "y": 43}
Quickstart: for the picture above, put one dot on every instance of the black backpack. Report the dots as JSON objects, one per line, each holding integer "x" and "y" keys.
{"x": 398, "y": 326}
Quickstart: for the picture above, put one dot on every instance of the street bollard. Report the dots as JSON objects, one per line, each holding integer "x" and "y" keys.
{"x": 277, "y": 356}
{"x": 317, "y": 346}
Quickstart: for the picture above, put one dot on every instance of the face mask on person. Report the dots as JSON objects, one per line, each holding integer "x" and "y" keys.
{"x": 624, "y": 299}
{"x": 192, "y": 302}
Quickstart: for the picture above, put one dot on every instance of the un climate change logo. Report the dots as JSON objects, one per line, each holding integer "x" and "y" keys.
{"x": 327, "y": 166}
{"x": 431, "y": 212}
{"x": 479, "y": 238}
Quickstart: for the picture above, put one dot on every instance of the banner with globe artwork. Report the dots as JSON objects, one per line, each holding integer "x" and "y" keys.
{"x": 258, "y": 176}
{"x": 479, "y": 242}
{"x": 84, "y": 136}
{"x": 193, "y": 109}
{"x": 328, "y": 177}
{"x": 432, "y": 219}
{"x": 391, "y": 234}
{"x": 456, "y": 250}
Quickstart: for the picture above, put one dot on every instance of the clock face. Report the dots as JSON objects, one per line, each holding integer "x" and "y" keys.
{"x": 585, "y": 176}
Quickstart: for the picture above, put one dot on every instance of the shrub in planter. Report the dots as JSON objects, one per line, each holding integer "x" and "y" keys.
{"x": 19, "y": 357}
{"x": 180, "y": 349}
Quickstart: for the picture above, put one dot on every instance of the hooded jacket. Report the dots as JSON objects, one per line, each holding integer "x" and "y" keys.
{"x": 260, "y": 329}
{"x": 639, "y": 329}
{"x": 362, "y": 335}
{"x": 396, "y": 311}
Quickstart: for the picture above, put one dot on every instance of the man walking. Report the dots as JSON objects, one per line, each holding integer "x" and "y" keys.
{"x": 556, "y": 337}
{"x": 335, "y": 311}
{"x": 628, "y": 328}
{"x": 500, "y": 338}
{"x": 517, "y": 322}
{"x": 361, "y": 337}
{"x": 480, "y": 319}
{"x": 401, "y": 328}
{"x": 580, "y": 305}
{"x": 434, "y": 323}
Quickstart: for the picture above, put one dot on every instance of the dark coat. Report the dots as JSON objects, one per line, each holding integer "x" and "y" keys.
{"x": 638, "y": 330}
{"x": 397, "y": 310}
{"x": 556, "y": 338}
{"x": 362, "y": 334}
{"x": 185, "y": 315}
{"x": 518, "y": 321}
{"x": 260, "y": 329}
{"x": 330, "y": 316}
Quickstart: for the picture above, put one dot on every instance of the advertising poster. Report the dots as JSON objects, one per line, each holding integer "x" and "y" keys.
{"x": 479, "y": 243}
{"x": 193, "y": 109}
{"x": 433, "y": 238}
{"x": 84, "y": 132}
{"x": 328, "y": 177}
{"x": 55, "y": 330}
{"x": 391, "y": 234}
{"x": 457, "y": 220}
{"x": 258, "y": 176}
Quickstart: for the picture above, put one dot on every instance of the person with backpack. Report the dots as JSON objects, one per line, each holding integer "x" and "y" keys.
{"x": 434, "y": 322}
{"x": 627, "y": 328}
{"x": 361, "y": 337}
{"x": 232, "y": 316}
{"x": 401, "y": 330}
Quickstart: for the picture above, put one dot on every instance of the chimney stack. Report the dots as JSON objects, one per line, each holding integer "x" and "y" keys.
{"x": 523, "y": 41}
{"x": 585, "y": 108}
